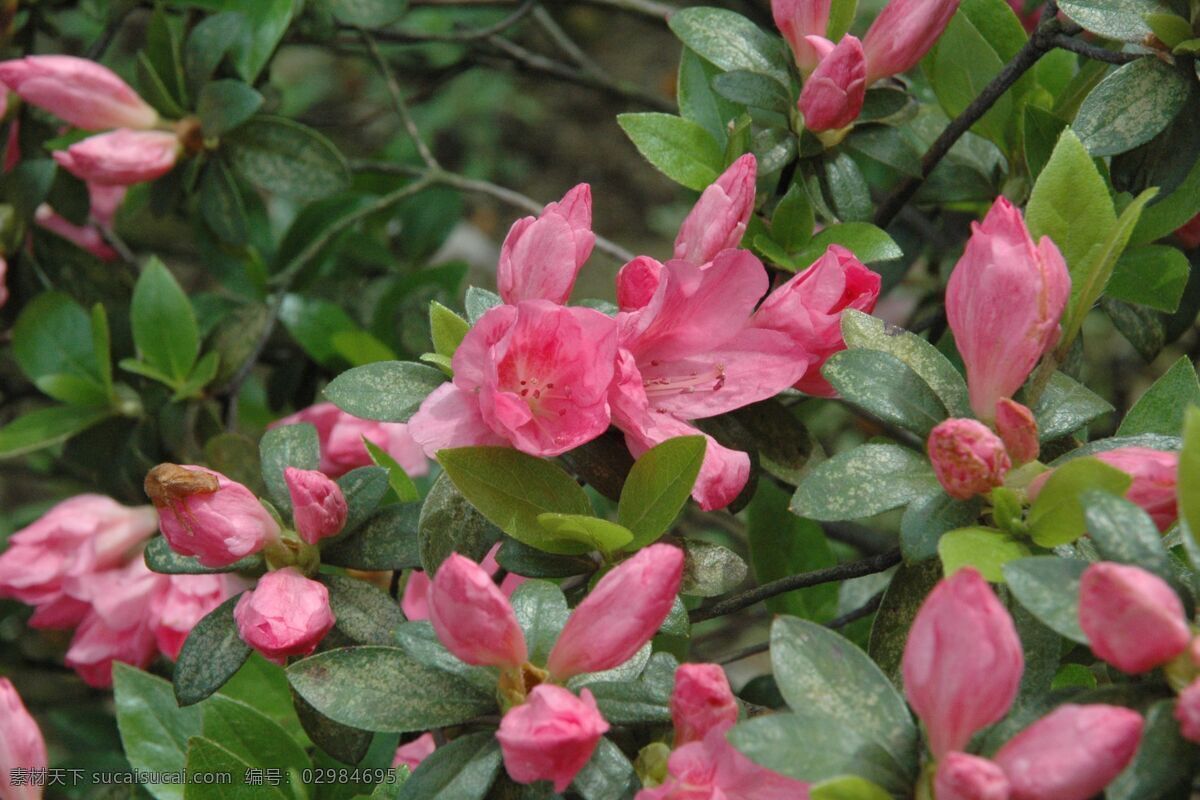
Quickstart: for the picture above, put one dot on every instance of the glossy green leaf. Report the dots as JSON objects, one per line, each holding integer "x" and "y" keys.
{"x": 1057, "y": 516}
{"x": 730, "y": 41}
{"x": 863, "y": 482}
{"x": 511, "y": 489}
{"x": 316, "y": 324}
{"x": 985, "y": 549}
{"x": 1123, "y": 532}
{"x": 783, "y": 544}
{"x": 792, "y": 223}
{"x": 1189, "y": 472}
{"x": 959, "y": 67}
{"x": 697, "y": 100}
{"x": 226, "y": 104}
{"x": 464, "y": 769}
{"x": 1153, "y": 275}
{"x": 657, "y": 487}
{"x": 406, "y": 491}
{"x": 1130, "y": 107}
{"x": 902, "y": 599}
{"x": 752, "y": 89}
{"x": 869, "y": 243}
{"x": 710, "y": 570}
{"x": 46, "y": 427}
{"x": 679, "y": 148}
{"x": 849, "y": 787}
{"x": 927, "y": 518}
{"x": 287, "y": 446}
{"x": 1164, "y": 763}
{"x": 1115, "y": 19}
{"x": 1066, "y": 406}
{"x": 206, "y": 758}
{"x": 643, "y": 700}
{"x": 52, "y": 337}
{"x": 213, "y": 652}
{"x": 541, "y": 610}
{"x": 386, "y": 540}
{"x": 251, "y": 734}
{"x": 363, "y": 489}
{"x": 286, "y": 158}
{"x": 1161, "y": 408}
{"x": 221, "y": 204}
{"x": 446, "y": 328}
{"x": 597, "y": 534}
{"x": 450, "y": 524}
{"x": 164, "y": 325}
{"x": 154, "y": 729}
{"x": 162, "y": 559}
{"x": 1048, "y": 587}
{"x": 265, "y": 22}
{"x": 363, "y": 612}
{"x": 607, "y": 774}
{"x": 388, "y": 391}
{"x": 883, "y": 385}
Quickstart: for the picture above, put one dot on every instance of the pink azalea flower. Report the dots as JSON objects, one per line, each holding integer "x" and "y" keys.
{"x": 541, "y": 256}
{"x": 341, "y": 439}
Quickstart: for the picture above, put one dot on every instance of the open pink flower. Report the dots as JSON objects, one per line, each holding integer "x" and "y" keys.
{"x": 85, "y": 94}
{"x": 962, "y": 662}
{"x": 21, "y": 745}
{"x": 718, "y": 220}
{"x": 1003, "y": 302}
{"x": 808, "y": 308}
{"x": 121, "y": 157}
{"x": 622, "y": 613}
{"x": 119, "y": 625}
{"x": 341, "y": 438}
{"x": 551, "y": 736}
{"x": 541, "y": 256}
{"x": 833, "y": 94}
{"x": 534, "y": 376}
{"x": 691, "y": 353}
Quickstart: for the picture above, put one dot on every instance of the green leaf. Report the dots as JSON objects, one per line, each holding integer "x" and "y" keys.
{"x": 363, "y": 612}
{"x": 679, "y": 148}
{"x": 369, "y": 13}
{"x": 446, "y": 328}
{"x": 960, "y": 66}
{"x": 657, "y": 487}
{"x": 164, "y": 325}
{"x": 533, "y": 563}
{"x": 1161, "y": 408}
{"x": 783, "y": 444}
{"x": 406, "y": 491}
{"x": 363, "y": 489}
{"x": 46, "y": 427}
{"x": 220, "y": 203}
{"x": 752, "y": 89}
{"x": 236, "y": 456}
{"x": 862, "y": 331}
{"x": 902, "y": 599}
{"x": 54, "y": 337}
{"x": 286, "y": 158}
{"x": 206, "y": 758}
{"x": 710, "y": 570}
{"x": 869, "y": 243}
{"x": 730, "y": 41}
{"x": 386, "y": 540}
{"x": 511, "y": 489}
{"x": 1164, "y": 762}
{"x": 102, "y": 346}
{"x": 863, "y": 482}
{"x": 154, "y": 730}
{"x": 1130, "y": 107}
{"x": 317, "y": 325}
{"x": 207, "y": 44}
{"x": 792, "y": 222}
{"x": 596, "y": 534}
{"x": 224, "y": 105}
{"x": 848, "y": 787}
{"x": 1057, "y": 516}
{"x": 264, "y": 25}
{"x": 388, "y": 391}
{"x": 1189, "y": 472}
{"x": 213, "y": 652}
{"x": 889, "y": 146}
{"x": 287, "y": 446}
{"x": 644, "y": 700}
{"x": 161, "y": 558}
{"x": 1040, "y": 132}
{"x": 985, "y": 549}
{"x": 478, "y": 302}
{"x": 203, "y": 373}
{"x": 883, "y": 385}
{"x": 1123, "y": 532}
{"x": 1048, "y": 587}
{"x": 927, "y": 518}
{"x": 1115, "y": 19}
{"x": 252, "y": 734}
{"x": 346, "y": 744}
{"x": 464, "y": 769}
{"x": 450, "y": 524}
{"x": 783, "y": 544}
{"x": 1171, "y": 29}
{"x": 542, "y": 611}
{"x": 697, "y": 100}
{"x": 384, "y": 689}
{"x": 1066, "y": 406}
{"x": 1152, "y": 275}
{"x": 606, "y": 775}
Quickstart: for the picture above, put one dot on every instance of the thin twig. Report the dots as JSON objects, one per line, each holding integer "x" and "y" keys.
{"x": 1037, "y": 46}
{"x": 472, "y": 35}
{"x": 1064, "y": 42}
{"x": 841, "y": 572}
{"x": 406, "y": 117}
{"x": 650, "y": 8}
{"x": 865, "y": 610}
{"x": 565, "y": 43}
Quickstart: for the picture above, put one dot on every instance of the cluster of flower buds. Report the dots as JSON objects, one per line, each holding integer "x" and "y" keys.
{"x": 80, "y": 566}
{"x": 691, "y": 339}
{"x": 1003, "y": 303}
{"x": 703, "y": 763}
{"x": 836, "y": 76}
{"x": 549, "y": 733}
{"x": 962, "y": 667}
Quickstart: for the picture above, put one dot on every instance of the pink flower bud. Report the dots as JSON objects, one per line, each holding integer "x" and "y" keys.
{"x": 701, "y": 701}
{"x": 622, "y": 613}
{"x": 1003, "y": 302}
{"x": 21, "y": 746}
{"x": 1155, "y": 474}
{"x": 84, "y": 93}
{"x": 1131, "y": 617}
{"x": 967, "y": 457}
{"x": 472, "y": 618}
{"x": 797, "y": 20}
{"x": 833, "y": 95}
{"x": 551, "y": 736}
{"x": 1187, "y": 712}
{"x": 637, "y": 281}
{"x": 962, "y": 662}
{"x": 50, "y": 563}
{"x": 412, "y": 754}
{"x": 903, "y": 33}
{"x": 184, "y": 601}
{"x": 961, "y": 776}
{"x": 718, "y": 220}
{"x": 318, "y": 505}
{"x": 121, "y": 157}
{"x": 286, "y": 614}
{"x": 541, "y": 256}
{"x": 204, "y": 514}
{"x": 1018, "y": 430}
{"x": 1071, "y": 753}
{"x": 809, "y": 307}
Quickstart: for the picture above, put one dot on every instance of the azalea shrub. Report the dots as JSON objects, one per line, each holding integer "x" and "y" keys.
{"x": 850, "y": 452}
